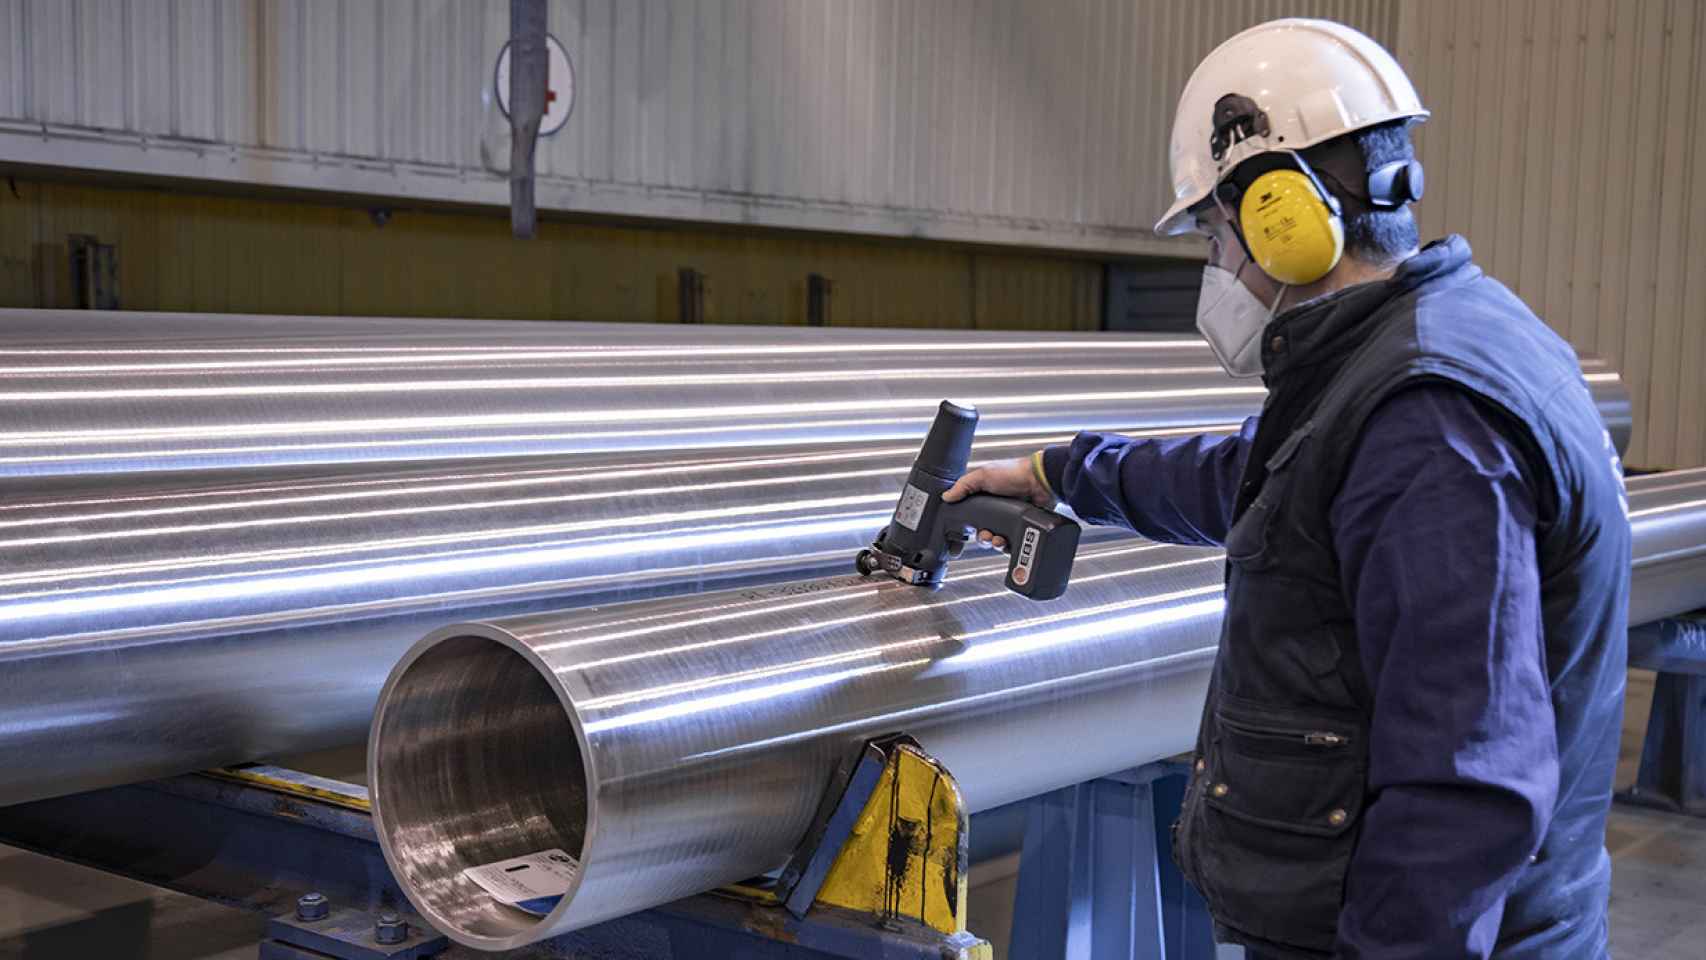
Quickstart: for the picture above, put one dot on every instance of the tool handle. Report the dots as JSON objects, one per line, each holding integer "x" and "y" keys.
{"x": 1041, "y": 544}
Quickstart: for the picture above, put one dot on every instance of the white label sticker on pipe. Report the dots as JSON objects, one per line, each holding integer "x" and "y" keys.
{"x": 534, "y": 882}
{"x": 911, "y": 507}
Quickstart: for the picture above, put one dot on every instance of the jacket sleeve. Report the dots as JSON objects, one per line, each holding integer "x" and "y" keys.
{"x": 1435, "y": 531}
{"x": 1178, "y": 490}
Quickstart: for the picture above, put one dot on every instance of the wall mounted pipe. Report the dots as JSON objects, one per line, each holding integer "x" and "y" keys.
{"x": 675, "y": 745}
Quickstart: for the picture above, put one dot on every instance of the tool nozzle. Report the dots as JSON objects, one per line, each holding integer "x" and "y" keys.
{"x": 947, "y": 449}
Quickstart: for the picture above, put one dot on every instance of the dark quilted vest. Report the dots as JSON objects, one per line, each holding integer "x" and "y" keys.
{"x": 1273, "y": 811}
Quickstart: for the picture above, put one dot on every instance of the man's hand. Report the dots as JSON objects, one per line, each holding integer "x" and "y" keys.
{"x": 1020, "y": 478}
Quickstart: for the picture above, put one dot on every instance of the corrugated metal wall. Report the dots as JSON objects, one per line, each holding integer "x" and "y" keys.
{"x": 1569, "y": 145}
{"x": 1004, "y": 121}
{"x": 1566, "y": 144}
{"x": 187, "y": 252}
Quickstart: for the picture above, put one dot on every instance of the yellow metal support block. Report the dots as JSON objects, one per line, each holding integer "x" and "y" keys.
{"x": 905, "y": 858}
{"x": 882, "y": 871}
{"x": 293, "y": 783}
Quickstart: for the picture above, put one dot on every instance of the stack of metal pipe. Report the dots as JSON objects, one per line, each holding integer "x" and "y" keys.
{"x": 219, "y": 537}
{"x": 220, "y": 533}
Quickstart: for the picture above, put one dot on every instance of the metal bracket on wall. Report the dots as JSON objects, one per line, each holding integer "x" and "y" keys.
{"x": 819, "y": 290}
{"x": 690, "y": 295}
{"x": 94, "y": 272}
{"x": 529, "y": 76}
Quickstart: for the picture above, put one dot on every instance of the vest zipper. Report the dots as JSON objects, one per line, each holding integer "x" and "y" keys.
{"x": 1317, "y": 739}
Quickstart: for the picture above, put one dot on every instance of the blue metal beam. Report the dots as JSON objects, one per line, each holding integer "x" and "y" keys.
{"x": 1673, "y": 756}
{"x": 1096, "y": 878}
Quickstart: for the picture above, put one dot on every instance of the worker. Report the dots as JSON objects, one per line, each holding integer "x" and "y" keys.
{"x": 1412, "y": 724}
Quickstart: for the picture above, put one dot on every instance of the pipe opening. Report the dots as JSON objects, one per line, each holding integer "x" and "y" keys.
{"x": 474, "y": 760}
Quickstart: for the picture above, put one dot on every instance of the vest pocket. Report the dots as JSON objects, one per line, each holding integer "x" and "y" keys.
{"x": 1247, "y": 541}
{"x": 1275, "y": 823}
{"x": 1321, "y": 742}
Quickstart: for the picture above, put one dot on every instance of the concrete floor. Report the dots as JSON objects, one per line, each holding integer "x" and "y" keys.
{"x": 51, "y": 910}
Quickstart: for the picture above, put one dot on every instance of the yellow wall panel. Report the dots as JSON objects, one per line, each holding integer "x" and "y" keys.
{"x": 20, "y": 208}
{"x": 207, "y": 253}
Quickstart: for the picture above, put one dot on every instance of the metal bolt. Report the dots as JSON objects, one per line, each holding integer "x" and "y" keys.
{"x": 1337, "y": 817}
{"x": 312, "y": 906}
{"x": 390, "y": 929}
{"x": 1220, "y": 790}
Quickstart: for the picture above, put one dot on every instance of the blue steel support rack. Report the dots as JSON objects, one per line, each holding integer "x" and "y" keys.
{"x": 1673, "y": 757}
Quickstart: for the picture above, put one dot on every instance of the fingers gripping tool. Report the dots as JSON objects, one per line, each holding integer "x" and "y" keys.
{"x": 926, "y": 531}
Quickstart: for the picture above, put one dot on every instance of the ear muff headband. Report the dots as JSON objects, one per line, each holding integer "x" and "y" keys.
{"x": 1395, "y": 184}
{"x": 1291, "y": 225}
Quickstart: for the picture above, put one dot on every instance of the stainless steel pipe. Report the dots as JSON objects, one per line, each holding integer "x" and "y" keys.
{"x": 258, "y": 392}
{"x": 166, "y": 624}
{"x": 675, "y": 745}
{"x": 100, "y": 328}
{"x": 1668, "y": 569}
{"x": 202, "y": 405}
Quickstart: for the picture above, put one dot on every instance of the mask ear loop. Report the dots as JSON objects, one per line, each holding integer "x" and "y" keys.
{"x": 1273, "y": 308}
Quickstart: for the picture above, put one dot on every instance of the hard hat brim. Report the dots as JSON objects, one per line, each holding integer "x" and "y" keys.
{"x": 1179, "y": 219}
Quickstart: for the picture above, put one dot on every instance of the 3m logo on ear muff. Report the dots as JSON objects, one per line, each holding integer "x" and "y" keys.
{"x": 1292, "y": 226}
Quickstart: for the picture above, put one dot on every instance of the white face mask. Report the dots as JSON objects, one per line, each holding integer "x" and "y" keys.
{"x": 1232, "y": 319}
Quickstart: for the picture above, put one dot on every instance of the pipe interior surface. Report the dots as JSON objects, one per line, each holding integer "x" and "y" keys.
{"x": 525, "y": 771}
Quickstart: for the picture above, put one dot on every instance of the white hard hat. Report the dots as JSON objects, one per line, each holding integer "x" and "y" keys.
{"x": 1312, "y": 80}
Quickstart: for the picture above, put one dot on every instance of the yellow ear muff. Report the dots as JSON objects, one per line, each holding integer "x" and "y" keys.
{"x": 1291, "y": 233}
